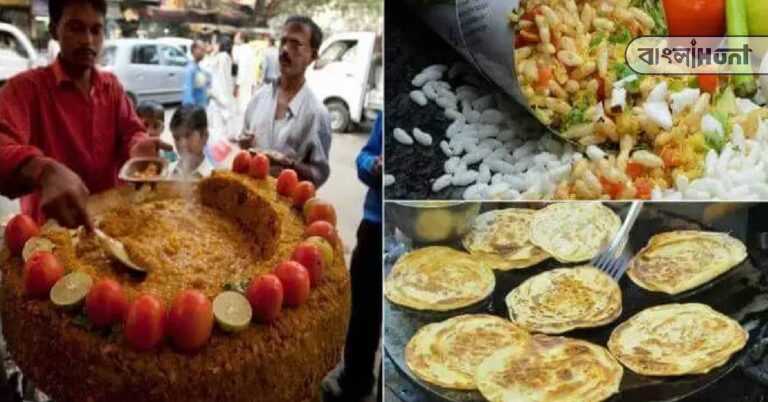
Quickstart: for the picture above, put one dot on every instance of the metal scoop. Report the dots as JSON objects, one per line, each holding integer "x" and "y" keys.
{"x": 116, "y": 249}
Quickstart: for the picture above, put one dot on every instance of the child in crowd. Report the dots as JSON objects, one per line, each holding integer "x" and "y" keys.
{"x": 152, "y": 115}
{"x": 189, "y": 126}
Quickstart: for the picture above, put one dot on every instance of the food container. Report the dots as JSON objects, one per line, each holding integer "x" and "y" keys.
{"x": 144, "y": 170}
{"x": 433, "y": 221}
{"x": 480, "y": 31}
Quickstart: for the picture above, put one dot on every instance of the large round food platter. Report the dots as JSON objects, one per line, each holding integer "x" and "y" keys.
{"x": 735, "y": 293}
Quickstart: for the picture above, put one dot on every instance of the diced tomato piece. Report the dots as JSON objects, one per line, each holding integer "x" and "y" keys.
{"x": 525, "y": 38}
{"x": 614, "y": 190}
{"x": 643, "y": 187}
{"x": 545, "y": 75}
{"x": 531, "y": 14}
{"x": 635, "y": 170}
{"x": 695, "y": 17}
{"x": 670, "y": 156}
{"x": 600, "y": 89}
{"x": 708, "y": 83}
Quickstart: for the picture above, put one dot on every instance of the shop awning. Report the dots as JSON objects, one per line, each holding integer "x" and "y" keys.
{"x": 192, "y": 15}
{"x": 14, "y": 3}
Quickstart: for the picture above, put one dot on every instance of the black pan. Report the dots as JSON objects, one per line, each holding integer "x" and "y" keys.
{"x": 730, "y": 293}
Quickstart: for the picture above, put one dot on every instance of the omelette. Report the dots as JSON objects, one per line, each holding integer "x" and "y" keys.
{"x": 563, "y": 299}
{"x": 574, "y": 231}
{"x": 448, "y": 353}
{"x": 677, "y": 261}
{"x": 553, "y": 369}
{"x": 676, "y": 339}
{"x": 502, "y": 237}
{"x": 439, "y": 279}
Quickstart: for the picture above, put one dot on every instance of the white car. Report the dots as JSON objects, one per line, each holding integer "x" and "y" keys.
{"x": 182, "y": 43}
{"x": 147, "y": 69}
{"x": 349, "y": 78}
{"x": 16, "y": 52}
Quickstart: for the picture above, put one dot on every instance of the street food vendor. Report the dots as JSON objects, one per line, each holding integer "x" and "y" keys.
{"x": 285, "y": 118}
{"x": 66, "y": 129}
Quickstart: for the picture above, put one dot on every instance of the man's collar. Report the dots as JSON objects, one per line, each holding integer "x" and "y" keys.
{"x": 298, "y": 99}
{"x": 61, "y": 76}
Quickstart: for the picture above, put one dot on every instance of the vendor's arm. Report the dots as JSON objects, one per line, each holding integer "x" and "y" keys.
{"x": 369, "y": 159}
{"x": 24, "y": 169}
{"x": 15, "y": 137}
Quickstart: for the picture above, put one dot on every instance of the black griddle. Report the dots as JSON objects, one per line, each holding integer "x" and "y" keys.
{"x": 737, "y": 293}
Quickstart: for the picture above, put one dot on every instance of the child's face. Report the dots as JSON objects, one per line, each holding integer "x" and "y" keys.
{"x": 154, "y": 126}
{"x": 190, "y": 145}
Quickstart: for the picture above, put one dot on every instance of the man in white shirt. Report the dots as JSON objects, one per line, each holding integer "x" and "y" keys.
{"x": 221, "y": 110}
{"x": 285, "y": 118}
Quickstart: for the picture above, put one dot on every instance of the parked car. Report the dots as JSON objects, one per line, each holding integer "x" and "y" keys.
{"x": 16, "y": 52}
{"x": 349, "y": 78}
{"x": 182, "y": 43}
{"x": 147, "y": 68}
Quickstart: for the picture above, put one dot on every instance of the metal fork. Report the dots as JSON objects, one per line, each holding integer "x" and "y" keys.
{"x": 612, "y": 260}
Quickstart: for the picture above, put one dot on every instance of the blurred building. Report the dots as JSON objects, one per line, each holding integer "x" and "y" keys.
{"x": 31, "y": 16}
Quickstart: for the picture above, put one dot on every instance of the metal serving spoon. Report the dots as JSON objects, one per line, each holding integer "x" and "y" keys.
{"x": 116, "y": 249}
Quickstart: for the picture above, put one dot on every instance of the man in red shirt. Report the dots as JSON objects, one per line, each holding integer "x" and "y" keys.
{"x": 66, "y": 129}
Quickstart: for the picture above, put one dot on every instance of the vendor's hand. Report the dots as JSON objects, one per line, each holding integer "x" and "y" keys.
{"x": 149, "y": 148}
{"x": 279, "y": 158}
{"x": 245, "y": 141}
{"x": 64, "y": 197}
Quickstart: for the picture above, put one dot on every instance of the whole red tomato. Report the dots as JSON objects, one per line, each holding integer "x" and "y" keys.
{"x": 695, "y": 17}
{"x": 106, "y": 303}
{"x": 18, "y": 231}
{"x": 190, "y": 320}
{"x": 145, "y": 323}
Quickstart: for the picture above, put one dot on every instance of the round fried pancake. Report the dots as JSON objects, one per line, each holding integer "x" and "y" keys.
{"x": 439, "y": 279}
{"x": 574, "y": 231}
{"x": 563, "y": 299}
{"x": 676, "y": 339}
{"x": 553, "y": 369}
{"x": 448, "y": 353}
{"x": 502, "y": 238}
{"x": 674, "y": 262}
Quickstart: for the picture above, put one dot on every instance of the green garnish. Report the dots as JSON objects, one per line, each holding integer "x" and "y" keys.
{"x": 596, "y": 40}
{"x": 239, "y": 287}
{"x": 577, "y": 115}
{"x": 622, "y": 71}
{"x": 714, "y": 140}
{"x": 724, "y": 120}
{"x": 81, "y": 320}
{"x": 676, "y": 85}
{"x": 620, "y": 36}
{"x": 655, "y": 9}
{"x": 744, "y": 83}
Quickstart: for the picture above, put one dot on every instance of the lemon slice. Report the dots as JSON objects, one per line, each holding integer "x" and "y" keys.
{"x": 34, "y": 245}
{"x": 232, "y": 311}
{"x": 325, "y": 249}
{"x": 70, "y": 290}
